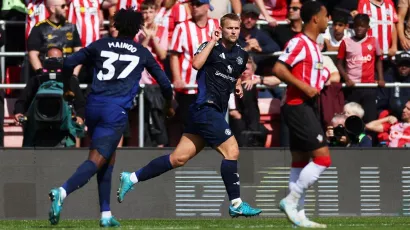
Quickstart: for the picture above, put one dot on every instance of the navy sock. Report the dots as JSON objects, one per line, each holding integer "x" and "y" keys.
{"x": 230, "y": 176}
{"x": 154, "y": 168}
{"x": 104, "y": 187}
{"x": 83, "y": 174}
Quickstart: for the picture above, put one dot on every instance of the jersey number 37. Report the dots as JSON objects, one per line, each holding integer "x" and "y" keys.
{"x": 109, "y": 65}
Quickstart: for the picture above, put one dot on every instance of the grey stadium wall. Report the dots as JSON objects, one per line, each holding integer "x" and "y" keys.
{"x": 360, "y": 182}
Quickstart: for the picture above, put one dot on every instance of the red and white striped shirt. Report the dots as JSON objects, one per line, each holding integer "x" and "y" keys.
{"x": 382, "y": 19}
{"x": 171, "y": 17}
{"x": 305, "y": 59}
{"x": 85, "y": 15}
{"x": 37, "y": 12}
{"x": 360, "y": 58}
{"x": 123, "y": 4}
{"x": 162, "y": 38}
{"x": 186, "y": 39}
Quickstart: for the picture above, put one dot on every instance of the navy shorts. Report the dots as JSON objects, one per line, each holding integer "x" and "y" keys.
{"x": 105, "y": 123}
{"x": 209, "y": 123}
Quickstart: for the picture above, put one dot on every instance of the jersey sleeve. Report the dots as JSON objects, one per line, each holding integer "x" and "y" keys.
{"x": 379, "y": 51}
{"x": 294, "y": 52}
{"x": 158, "y": 74}
{"x": 360, "y": 7}
{"x": 34, "y": 39}
{"x": 201, "y": 47}
{"x": 341, "y": 54}
{"x": 82, "y": 56}
{"x": 245, "y": 61}
{"x": 177, "y": 40}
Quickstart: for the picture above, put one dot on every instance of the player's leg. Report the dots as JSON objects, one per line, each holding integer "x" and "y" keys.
{"x": 306, "y": 136}
{"x": 188, "y": 147}
{"x": 81, "y": 176}
{"x": 229, "y": 172}
{"x": 299, "y": 161}
{"x": 104, "y": 179}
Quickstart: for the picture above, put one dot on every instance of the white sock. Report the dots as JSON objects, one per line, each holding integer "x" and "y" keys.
{"x": 308, "y": 176}
{"x": 63, "y": 193}
{"x": 236, "y": 202}
{"x": 302, "y": 214}
{"x": 293, "y": 177}
{"x": 133, "y": 178}
{"x": 106, "y": 214}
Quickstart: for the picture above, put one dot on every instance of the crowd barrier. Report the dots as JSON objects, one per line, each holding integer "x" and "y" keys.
{"x": 360, "y": 182}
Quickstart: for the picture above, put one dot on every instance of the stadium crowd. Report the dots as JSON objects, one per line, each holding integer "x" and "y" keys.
{"x": 370, "y": 37}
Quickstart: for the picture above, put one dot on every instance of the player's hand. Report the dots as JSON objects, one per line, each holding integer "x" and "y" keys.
{"x": 17, "y": 117}
{"x": 169, "y": 110}
{"x": 79, "y": 120}
{"x": 216, "y": 34}
{"x": 354, "y": 13}
{"x": 405, "y": 43}
{"x": 239, "y": 91}
{"x": 381, "y": 83}
{"x": 350, "y": 83}
{"x": 311, "y": 92}
{"x": 392, "y": 119}
{"x": 392, "y": 51}
{"x": 179, "y": 84}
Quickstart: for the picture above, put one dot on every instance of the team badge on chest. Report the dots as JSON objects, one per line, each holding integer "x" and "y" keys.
{"x": 239, "y": 60}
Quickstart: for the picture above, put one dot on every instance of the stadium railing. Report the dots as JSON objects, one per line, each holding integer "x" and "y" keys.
{"x": 4, "y": 54}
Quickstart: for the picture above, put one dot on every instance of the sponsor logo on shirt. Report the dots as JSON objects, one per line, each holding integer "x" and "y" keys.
{"x": 225, "y": 76}
{"x": 360, "y": 59}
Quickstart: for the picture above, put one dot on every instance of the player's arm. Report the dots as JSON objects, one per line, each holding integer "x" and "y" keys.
{"x": 78, "y": 58}
{"x": 155, "y": 70}
{"x": 33, "y": 45}
{"x": 204, "y": 50}
{"x": 378, "y": 126}
{"x": 294, "y": 53}
{"x": 341, "y": 63}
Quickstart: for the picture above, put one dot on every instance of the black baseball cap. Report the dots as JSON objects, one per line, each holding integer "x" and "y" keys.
{"x": 403, "y": 59}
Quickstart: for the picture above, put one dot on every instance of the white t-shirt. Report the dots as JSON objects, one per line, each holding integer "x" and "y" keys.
{"x": 328, "y": 35}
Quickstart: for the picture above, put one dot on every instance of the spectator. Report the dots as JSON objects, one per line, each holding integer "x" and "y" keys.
{"x": 36, "y": 12}
{"x": 338, "y": 133}
{"x": 403, "y": 29}
{"x": 86, "y": 16}
{"x": 381, "y": 12}
{"x": 353, "y": 109}
{"x": 397, "y": 132}
{"x": 171, "y": 13}
{"x": 356, "y": 62}
{"x": 393, "y": 99}
{"x": 54, "y": 31}
{"x": 272, "y": 11}
{"x": 347, "y": 7}
{"x": 253, "y": 39}
{"x": 244, "y": 112}
{"x": 283, "y": 33}
{"x": 155, "y": 38}
{"x": 337, "y": 31}
{"x": 186, "y": 39}
{"x": 47, "y": 137}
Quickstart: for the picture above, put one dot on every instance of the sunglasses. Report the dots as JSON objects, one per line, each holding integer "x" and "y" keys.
{"x": 294, "y": 8}
{"x": 62, "y": 6}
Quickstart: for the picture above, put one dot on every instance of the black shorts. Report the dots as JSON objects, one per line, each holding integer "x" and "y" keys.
{"x": 305, "y": 130}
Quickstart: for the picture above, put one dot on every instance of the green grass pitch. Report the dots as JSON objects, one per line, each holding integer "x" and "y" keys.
{"x": 355, "y": 223}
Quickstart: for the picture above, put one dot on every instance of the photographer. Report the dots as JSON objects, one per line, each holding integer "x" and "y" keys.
{"x": 46, "y": 137}
{"x": 347, "y": 132}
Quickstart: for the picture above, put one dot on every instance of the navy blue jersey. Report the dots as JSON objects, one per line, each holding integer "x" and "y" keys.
{"x": 118, "y": 64}
{"x": 218, "y": 76}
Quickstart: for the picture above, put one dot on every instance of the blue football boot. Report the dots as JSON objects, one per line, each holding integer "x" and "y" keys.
{"x": 109, "y": 222}
{"x": 125, "y": 186}
{"x": 56, "y": 206}
{"x": 244, "y": 209}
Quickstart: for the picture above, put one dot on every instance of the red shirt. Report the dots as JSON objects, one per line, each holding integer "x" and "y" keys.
{"x": 304, "y": 58}
{"x": 360, "y": 58}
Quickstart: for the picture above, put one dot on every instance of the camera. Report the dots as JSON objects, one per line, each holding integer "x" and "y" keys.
{"x": 52, "y": 70}
{"x": 352, "y": 129}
